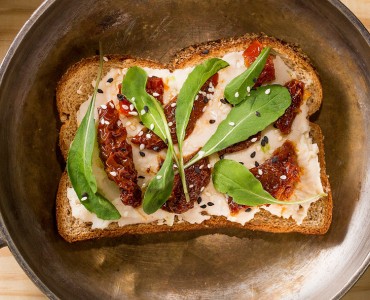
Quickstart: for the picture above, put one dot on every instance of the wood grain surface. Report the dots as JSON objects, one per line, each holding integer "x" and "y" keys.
{"x": 14, "y": 283}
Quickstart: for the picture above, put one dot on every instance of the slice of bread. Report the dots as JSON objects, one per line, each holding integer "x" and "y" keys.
{"x": 79, "y": 78}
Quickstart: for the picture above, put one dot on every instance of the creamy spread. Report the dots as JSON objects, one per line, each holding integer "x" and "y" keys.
{"x": 307, "y": 152}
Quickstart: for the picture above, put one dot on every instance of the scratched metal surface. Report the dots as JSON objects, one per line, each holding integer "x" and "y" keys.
{"x": 208, "y": 264}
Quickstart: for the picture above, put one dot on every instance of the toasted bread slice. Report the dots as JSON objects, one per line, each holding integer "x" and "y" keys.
{"x": 79, "y": 78}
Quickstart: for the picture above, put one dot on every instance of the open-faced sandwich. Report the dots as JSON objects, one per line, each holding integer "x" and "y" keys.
{"x": 218, "y": 138}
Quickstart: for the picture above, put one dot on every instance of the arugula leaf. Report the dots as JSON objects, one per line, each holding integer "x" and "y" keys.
{"x": 185, "y": 101}
{"x": 79, "y": 164}
{"x": 189, "y": 91}
{"x": 134, "y": 88}
{"x": 232, "y": 178}
{"x": 152, "y": 115}
{"x": 264, "y": 106}
{"x": 237, "y": 89}
{"x": 160, "y": 187}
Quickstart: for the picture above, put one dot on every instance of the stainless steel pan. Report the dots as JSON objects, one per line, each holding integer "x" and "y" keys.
{"x": 228, "y": 264}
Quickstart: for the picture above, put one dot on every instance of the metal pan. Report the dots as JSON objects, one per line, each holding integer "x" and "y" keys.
{"x": 224, "y": 264}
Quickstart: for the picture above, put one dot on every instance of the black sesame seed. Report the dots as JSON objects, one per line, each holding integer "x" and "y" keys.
{"x": 197, "y": 170}
{"x": 205, "y": 100}
{"x": 142, "y": 154}
{"x": 84, "y": 195}
{"x": 205, "y": 51}
{"x": 248, "y": 209}
{"x": 120, "y": 97}
{"x": 256, "y": 164}
{"x": 258, "y": 114}
{"x": 100, "y": 91}
{"x": 253, "y": 154}
{"x": 221, "y": 156}
{"x": 274, "y": 159}
{"x": 141, "y": 177}
{"x": 141, "y": 123}
{"x": 263, "y": 143}
{"x": 203, "y": 206}
{"x": 266, "y": 139}
{"x": 156, "y": 148}
{"x": 210, "y": 204}
{"x": 199, "y": 200}
{"x": 241, "y": 163}
{"x": 123, "y": 149}
{"x": 146, "y": 108}
{"x": 110, "y": 80}
{"x": 212, "y": 121}
{"x": 224, "y": 101}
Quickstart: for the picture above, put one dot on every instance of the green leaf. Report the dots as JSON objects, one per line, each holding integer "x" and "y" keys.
{"x": 232, "y": 178}
{"x": 264, "y": 106}
{"x": 160, "y": 187}
{"x": 134, "y": 88}
{"x": 189, "y": 91}
{"x": 237, "y": 89}
{"x": 79, "y": 164}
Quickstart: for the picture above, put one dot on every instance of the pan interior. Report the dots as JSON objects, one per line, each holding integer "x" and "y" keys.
{"x": 225, "y": 263}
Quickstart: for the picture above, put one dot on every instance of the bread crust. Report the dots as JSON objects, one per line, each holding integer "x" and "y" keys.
{"x": 80, "y": 76}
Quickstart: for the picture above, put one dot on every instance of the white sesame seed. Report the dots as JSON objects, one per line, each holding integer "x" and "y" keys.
{"x": 113, "y": 173}
{"x": 133, "y": 113}
{"x": 175, "y": 166}
{"x": 133, "y": 127}
{"x": 267, "y": 91}
{"x": 79, "y": 92}
{"x": 196, "y": 97}
{"x": 106, "y": 122}
{"x": 170, "y": 124}
{"x": 254, "y": 140}
{"x": 201, "y": 153}
{"x": 133, "y": 99}
{"x": 202, "y": 189}
{"x": 248, "y": 89}
{"x": 173, "y": 104}
{"x": 142, "y": 146}
{"x": 209, "y": 166}
{"x": 151, "y": 126}
{"x": 140, "y": 133}
{"x": 236, "y": 94}
{"x": 105, "y": 58}
{"x": 103, "y": 106}
{"x": 125, "y": 107}
{"x": 283, "y": 177}
{"x": 155, "y": 94}
{"x": 84, "y": 198}
{"x": 159, "y": 177}
{"x": 143, "y": 185}
{"x": 191, "y": 186}
{"x": 111, "y": 104}
{"x": 143, "y": 112}
{"x": 231, "y": 123}
{"x": 201, "y": 167}
{"x": 148, "y": 135}
{"x": 119, "y": 123}
{"x": 132, "y": 107}
{"x": 102, "y": 121}
{"x": 260, "y": 172}
{"x": 128, "y": 123}
{"x": 204, "y": 108}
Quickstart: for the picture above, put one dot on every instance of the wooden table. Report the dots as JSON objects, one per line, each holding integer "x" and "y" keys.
{"x": 14, "y": 283}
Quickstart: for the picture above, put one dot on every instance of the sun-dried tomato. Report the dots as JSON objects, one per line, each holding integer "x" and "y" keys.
{"x": 296, "y": 90}
{"x": 250, "y": 55}
{"x": 116, "y": 155}
{"x": 197, "y": 177}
